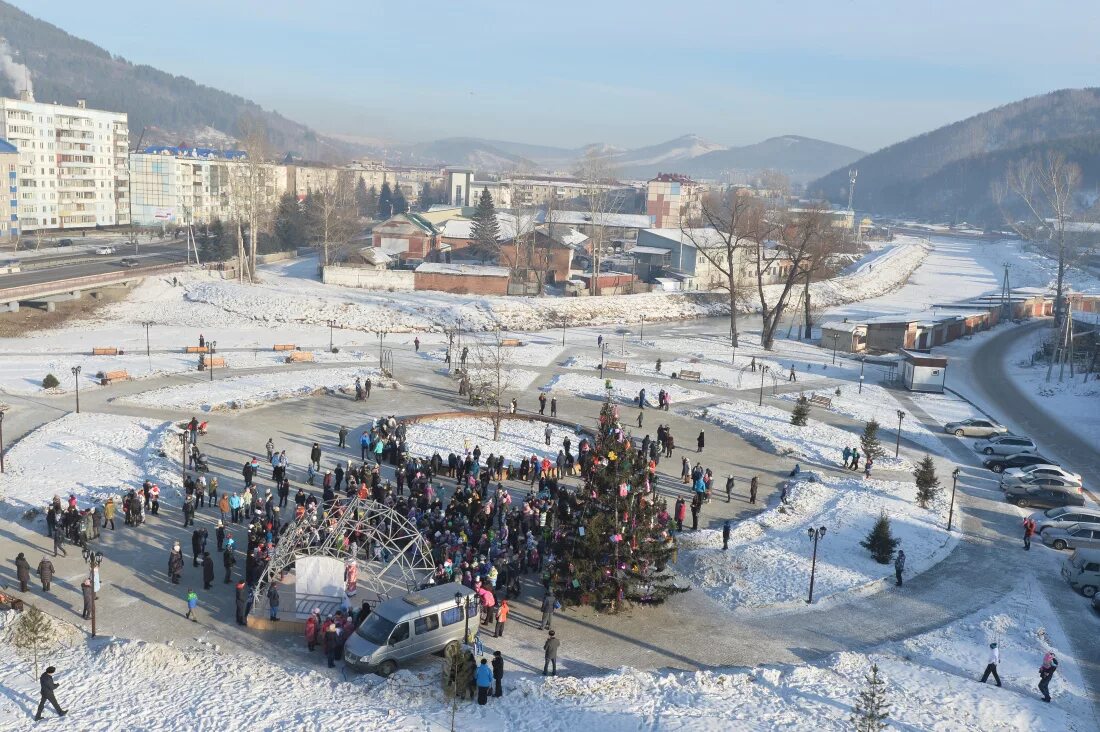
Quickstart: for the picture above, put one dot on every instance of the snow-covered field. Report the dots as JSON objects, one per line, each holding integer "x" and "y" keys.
{"x": 768, "y": 562}
{"x": 90, "y": 455}
{"x": 771, "y": 427}
{"x": 243, "y": 392}
{"x": 530, "y": 354}
{"x": 1072, "y": 399}
{"x": 593, "y": 387}
{"x": 519, "y": 438}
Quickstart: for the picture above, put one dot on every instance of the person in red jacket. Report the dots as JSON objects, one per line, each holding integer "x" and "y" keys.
{"x": 1029, "y": 531}
{"x": 311, "y": 628}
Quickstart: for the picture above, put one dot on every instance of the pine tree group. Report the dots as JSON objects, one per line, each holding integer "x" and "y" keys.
{"x": 801, "y": 412}
{"x": 928, "y": 485}
{"x": 870, "y": 712}
{"x": 615, "y": 544}
{"x": 485, "y": 231}
{"x": 881, "y": 542}
{"x": 869, "y": 441}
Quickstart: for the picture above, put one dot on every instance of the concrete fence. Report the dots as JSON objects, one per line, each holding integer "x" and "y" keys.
{"x": 372, "y": 279}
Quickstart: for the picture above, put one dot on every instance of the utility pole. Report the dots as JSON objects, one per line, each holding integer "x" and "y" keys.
{"x": 852, "y": 173}
{"x": 147, "y": 324}
{"x": 76, "y": 380}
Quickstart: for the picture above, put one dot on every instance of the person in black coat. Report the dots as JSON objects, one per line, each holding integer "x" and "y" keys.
{"x": 498, "y": 673}
{"x": 207, "y": 570}
{"x": 700, "y": 441}
{"x": 175, "y": 564}
{"x": 228, "y": 560}
{"x": 315, "y": 456}
{"x": 22, "y": 571}
{"x": 198, "y": 545}
{"x": 48, "y": 687}
{"x": 242, "y": 603}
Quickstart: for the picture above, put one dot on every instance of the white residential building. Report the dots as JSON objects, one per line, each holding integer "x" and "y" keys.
{"x": 72, "y": 164}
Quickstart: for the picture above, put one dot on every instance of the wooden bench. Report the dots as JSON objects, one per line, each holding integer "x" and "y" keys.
{"x": 217, "y": 362}
{"x": 615, "y": 366}
{"x": 299, "y": 357}
{"x": 196, "y": 349}
{"x": 511, "y": 342}
{"x": 690, "y": 375}
{"x": 106, "y": 351}
{"x": 285, "y": 347}
{"x": 106, "y": 377}
{"x": 820, "y": 401}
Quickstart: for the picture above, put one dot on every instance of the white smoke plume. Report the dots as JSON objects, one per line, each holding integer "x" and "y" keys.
{"x": 19, "y": 74}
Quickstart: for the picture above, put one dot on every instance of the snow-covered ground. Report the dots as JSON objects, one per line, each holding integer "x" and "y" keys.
{"x": 1072, "y": 399}
{"x": 815, "y": 442}
{"x": 768, "y": 562}
{"x": 92, "y": 456}
{"x": 931, "y": 684}
{"x": 530, "y": 354}
{"x": 593, "y": 387}
{"x": 251, "y": 390}
{"x": 519, "y": 438}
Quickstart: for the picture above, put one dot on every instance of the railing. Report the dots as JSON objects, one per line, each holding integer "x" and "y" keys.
{"x": 24, "y": 292}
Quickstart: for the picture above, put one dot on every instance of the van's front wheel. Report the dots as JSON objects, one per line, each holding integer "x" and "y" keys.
{"x": 387, "y": 668}
{"x": 1088, "y": 591}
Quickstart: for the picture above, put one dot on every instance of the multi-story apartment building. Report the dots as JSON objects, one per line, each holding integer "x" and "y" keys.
{"x": 72, "y": 164}
{"x": 9, "y": 210}
{"x": 672, "y": 199}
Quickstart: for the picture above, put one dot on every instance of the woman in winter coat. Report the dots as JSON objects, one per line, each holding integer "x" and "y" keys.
{"x": 273, "y": 600}
{"x": 700, "y": 441}
{"x": 207, "y": 570}
{"x": 175, "y": 564}
{"x": 45, "y": 573}
{"x": 312, "y": 623}
{"x": 22, "y": 571}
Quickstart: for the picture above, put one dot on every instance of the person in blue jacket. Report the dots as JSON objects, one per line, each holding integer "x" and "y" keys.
{"x": 484, "y": 681}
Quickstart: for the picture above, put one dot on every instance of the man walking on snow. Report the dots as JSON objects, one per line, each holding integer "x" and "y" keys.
{"x": 991, "y": 665}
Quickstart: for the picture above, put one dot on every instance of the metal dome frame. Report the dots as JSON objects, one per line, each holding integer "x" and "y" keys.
{"x": 407, "y": 560}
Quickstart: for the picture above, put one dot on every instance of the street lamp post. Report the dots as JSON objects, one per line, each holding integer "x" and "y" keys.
{"x": 622, "y": 346}
{"x": 954, "y": 484}
{"x": 862, "y": 362}
{"x": 563, "y": 334}
{"x": 816, "y": 535}
{"x": 1, "y": 440}
{"x": 835, "y": 337}
{"x": 763, "y": 370}
{"x": 147, "y": 324}
{"x": 897, "y": 447}
{"x": 603, "y": 356}
{"x": 183, "y": 456}
{"x": 331, "y": 325}
{"x": 76, "y": 380}
{"x": 210, "y": 358}
{"x": 641, "y": 330}
{"x": 381, "y": 336}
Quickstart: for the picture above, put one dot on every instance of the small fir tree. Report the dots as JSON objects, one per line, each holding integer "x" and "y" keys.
{"x": 362, "y": 198}
{"x": 869, "y": 441}
{"x": 801, "y": 412}
{"x": 33, "y": 634}
{"x": 385, "y": 202}
{"x": 486, "y": 229}
{"x": 870, "y": 712}
{"x": 50, "y": 381}
{"x": 928, "y": 485}
{"x": 400, "y": 204}
{"x": 881, "y": 542}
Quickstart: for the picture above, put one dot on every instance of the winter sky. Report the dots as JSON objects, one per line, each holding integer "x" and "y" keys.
{"x": 864, "y": 73}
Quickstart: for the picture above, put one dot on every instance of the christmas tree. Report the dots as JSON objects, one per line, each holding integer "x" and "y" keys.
{"x": 618, "y": 544}
{"x": 928, "y": 485}
{"x": 801, "y": 412}
{"x": 485, "y": 231}
{"x": 870, "y": 712}
{"x": 869, "y": 440}
{"x": 881, "y": 541}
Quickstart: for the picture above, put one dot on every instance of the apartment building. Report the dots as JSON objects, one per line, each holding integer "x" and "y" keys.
{"x": 672, "y": 199}
{"x": 72, "y": 163}
{"x": 9, "y": 211}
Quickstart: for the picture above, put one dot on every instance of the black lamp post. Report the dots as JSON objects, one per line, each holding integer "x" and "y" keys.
{"x": 835, "y": 336}
{"x": 862, "y": 362}
{"x": 954, "y": 484}
{"x": 381, "y": 336}
{"x": 816, "y": 535}
{"x": 148, "y": 324}
{"x": 897, "y": 446}
{"x": 1, "y": 440}
{"x": 210, "y": 358}
{"x": 464, "y": 605}
{"x": 183, "y": 455}
{"x": 76, "y": 380}
{"x": 763, "y": 370}
{"x": 331, "y": 325}
{"x": 641, "y": 330}
{"x": 563, "y": 334}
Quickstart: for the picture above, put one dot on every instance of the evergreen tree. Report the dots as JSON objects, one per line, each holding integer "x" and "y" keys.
{"x": 486, "y": 229}
{"x": 214, "y": 245}
{"x": 370, "y": 209}
{"x": 426, "y": 197}
{"x": 928, "y": 485}
{"x": 400, "y": 205}
{"x": 881, "y": 542}
{"x": 611, "y": 536}
{"x": 870, "y": 712}
{"x": 361, "y": 197}
{"x": 33, "y": 633}
{"x": 801, "y": 412}
{"x": 290, "y": 222}
{"x": 869, "y": 441}
{"x": 385, "y": 202}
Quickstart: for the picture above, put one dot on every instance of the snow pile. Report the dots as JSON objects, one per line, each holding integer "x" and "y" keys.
{"x": 90, "y": 455}
{"x": 593, "y": 387}
{"x": 768, "y": 562}
{"x": 724, "y": 375}
{"x": 253, "y": 390}
{"x": 519, "y": 438}
{"x": 770, "y": 427}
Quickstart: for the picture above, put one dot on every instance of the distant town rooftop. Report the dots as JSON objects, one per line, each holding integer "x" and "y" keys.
{"x": 195, "y": 152}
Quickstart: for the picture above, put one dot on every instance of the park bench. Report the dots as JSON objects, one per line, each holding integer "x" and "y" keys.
{"x": 299, "y": 357}
{"x": 820, "y": 401}
{"x": 615, "y": 366}
{"x": 217, "y": 362}
{"x": 106, "y": 351}
{"x": 285, "y": 347}
{"x": 196, "y": 349}
{"x": 690, "y": 375}
{"x": 106, "y": 377}
{"x": 511, "y": 342}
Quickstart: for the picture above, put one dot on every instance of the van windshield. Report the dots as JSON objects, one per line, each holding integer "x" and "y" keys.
{"x": 376, "y": 629}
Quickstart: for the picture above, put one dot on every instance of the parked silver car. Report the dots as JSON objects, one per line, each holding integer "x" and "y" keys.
{"x": 975, "y": 428}
{"x": 1005, "y": 445}
{"x": 1048, "y": 469}
{"x": 1082, "y": 570}
{"x": 1063, "y": 516}
{"x": 1056, "y": 480}
{"x": 1077, "y": 536}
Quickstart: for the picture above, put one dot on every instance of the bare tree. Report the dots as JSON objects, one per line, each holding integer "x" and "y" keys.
{"x": 253, "y": 186}
{"x": 1045, "y": 186}
{"x": 490, "y": 381}
{"x": 729, "y": 227}
{"x": 597, "y": 173}
{"x": 334, "y": 210}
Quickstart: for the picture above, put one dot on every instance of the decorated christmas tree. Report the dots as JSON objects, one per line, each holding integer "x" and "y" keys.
{"x": 616, "y": 546}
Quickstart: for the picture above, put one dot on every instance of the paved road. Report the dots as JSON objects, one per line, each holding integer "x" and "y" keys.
{"x": 150, "y": 255}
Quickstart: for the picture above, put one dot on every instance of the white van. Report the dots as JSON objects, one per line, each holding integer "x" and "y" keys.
{"x": 1082, "y": 570}
{"x": 404, "y": 628}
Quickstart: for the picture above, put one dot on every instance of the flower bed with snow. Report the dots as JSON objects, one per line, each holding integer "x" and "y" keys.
{"x": 519, "y": 438}
{"x": 593, "y": 387}
{"x": 768, "y": 562}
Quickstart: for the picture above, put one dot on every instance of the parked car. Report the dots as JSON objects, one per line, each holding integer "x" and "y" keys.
{"x": 975, "y": 428}
{"x": 128, "y": 262}
{"x": 404, "y": 628}
{"x": 1063, "y": 516}
{"x": 64, "y": 242}
{"x": 1082, "y": 570}
{"x": 1053, "y": 471}
{"x": 105, "y": 250}
{"x": 1001, "y": 463}
{"x": 1075, "y": 536}
{"x": 1005, "y": 445}
{"x": 1042, "y": 497}
{"x": 1049, "y": 481}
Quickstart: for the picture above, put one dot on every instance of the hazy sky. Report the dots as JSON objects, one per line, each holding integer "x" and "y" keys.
{"x": 864, "y": 73}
